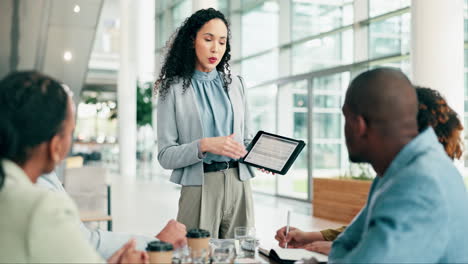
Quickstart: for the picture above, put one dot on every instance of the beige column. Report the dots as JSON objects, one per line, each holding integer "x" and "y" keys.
{"x": 437, "y": 50}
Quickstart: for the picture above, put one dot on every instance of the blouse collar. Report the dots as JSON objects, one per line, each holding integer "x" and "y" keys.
{"x": 205, "y": 76}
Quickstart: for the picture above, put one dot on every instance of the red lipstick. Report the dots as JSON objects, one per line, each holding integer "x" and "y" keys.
{"x": 212, "y": 59}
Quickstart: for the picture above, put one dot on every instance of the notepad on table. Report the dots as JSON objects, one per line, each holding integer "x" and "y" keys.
{"x": 290, "y": 255}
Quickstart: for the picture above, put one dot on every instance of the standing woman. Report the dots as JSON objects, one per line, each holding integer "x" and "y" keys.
{"x": 203, "y": 127}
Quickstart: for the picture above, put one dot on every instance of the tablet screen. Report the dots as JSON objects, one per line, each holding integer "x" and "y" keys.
{"x": 271, "y": 152}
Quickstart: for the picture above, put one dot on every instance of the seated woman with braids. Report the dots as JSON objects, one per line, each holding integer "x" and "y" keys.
{"x": 39, "y": 226}
{"x": 433, "y": 111}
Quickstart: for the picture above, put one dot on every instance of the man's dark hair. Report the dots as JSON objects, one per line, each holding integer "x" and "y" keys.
{"x": 383, "y": 97}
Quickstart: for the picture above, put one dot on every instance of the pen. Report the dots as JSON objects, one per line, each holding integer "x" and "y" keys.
{"x": 287, "y": 227}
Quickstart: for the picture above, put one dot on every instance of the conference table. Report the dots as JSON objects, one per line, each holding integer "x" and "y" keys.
{"x": 242, "y": 256}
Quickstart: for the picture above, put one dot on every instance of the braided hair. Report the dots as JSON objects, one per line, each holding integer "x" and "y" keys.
{"x": 33, "y": 108}
{"x": 434, "y": 111}
{"x": 179, "y": 63}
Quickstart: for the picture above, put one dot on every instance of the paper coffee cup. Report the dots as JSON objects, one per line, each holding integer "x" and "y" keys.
{"x": 198, "y": 241}
{"x": 159, "y": 252}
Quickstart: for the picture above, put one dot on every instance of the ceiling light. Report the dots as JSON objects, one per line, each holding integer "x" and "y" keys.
{"x": 76, "y": 9}
{"x": 67, "y": 56}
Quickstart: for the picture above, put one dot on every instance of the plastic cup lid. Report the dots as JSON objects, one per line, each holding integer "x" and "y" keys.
{"x": 198, "y": 233}
{"x": 159, "y": 246}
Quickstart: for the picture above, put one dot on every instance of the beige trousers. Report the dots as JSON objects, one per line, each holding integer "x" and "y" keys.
{"x": 221, "y": 204}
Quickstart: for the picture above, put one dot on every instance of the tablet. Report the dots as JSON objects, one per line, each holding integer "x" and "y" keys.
{"x": 272, "y": 152}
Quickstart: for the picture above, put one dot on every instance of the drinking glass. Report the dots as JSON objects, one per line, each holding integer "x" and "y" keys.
{"x": 182, "y": 256}
{"x": 199, "y": 256}
{"x": 246, "y": 237}
{"x": 222, "y": 254}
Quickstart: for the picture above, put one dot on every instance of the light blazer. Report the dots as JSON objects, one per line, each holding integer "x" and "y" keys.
{"x": 39, "y": 226}
{"x": 180, "y": 130}
{"x": 106, "y": 243}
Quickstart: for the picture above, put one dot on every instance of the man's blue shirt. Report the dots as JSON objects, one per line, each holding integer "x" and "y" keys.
{"x": 417, "y": 212}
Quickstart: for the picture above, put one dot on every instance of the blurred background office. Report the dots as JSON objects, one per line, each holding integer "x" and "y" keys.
{"x": 296, "y": 56}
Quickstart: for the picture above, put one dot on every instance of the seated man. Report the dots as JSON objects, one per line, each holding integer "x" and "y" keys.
{"x": 105, "y": 242}
{"x": 433, "y": 111}
{"x": 417, "y": 206}
{"x": 416, "y": 209}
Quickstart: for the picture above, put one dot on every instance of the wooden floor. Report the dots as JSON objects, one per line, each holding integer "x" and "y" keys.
{"x": 145, "y": 205}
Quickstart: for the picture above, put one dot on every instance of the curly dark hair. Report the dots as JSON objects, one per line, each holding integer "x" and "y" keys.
{"x": 180, "y": 59}
{"x": 434, "y": 111}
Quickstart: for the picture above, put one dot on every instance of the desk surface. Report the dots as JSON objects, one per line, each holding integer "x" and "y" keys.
{"x": 94, "y": 216}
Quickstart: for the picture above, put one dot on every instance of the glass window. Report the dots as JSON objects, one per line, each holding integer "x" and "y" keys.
{"x": 161, "y": 5}
{"x": 326, "y": 156}
{"x": 162, "y": 32}
{"x": 293, "y": 102}
{"x": 331, "y": 83}
{"x": 379, "y": 7}
{"x": 326, "y": 52}
{"x": 300, "y": 125}
{"x": 327, "y": 125}
{"x": 466, "y": 73}
{"x": 390, "y": 36}
{"x": 223, "y": 6}
{"x": 327, "y": 101}
{"x": 180, "y": 12}
{"x": 404, "y": 65}
{"x": 327, "y": 106}
{"x": 466, "y": 142}
{"x": 248, "y": 2}
{"x": 260, "y": 28}
{"x": 260, "y": 68}
{"x": 313, "y": 17}
{"x": 295, "y": 184}
{"x": 262, "y": 109}
{"x": 293, "y": 122}
{"x": 300, "y": 100}
{"x": 94, "y": 122}
{"x": 466, "y": 87}
{"x": 466, "y": 20}
{"x": 466, "y": 104}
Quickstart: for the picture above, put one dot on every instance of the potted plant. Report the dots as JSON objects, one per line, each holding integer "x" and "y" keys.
{"x": 341, "y": 198}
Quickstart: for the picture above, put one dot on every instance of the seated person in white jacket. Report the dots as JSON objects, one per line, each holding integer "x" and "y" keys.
{"x": 36, "y": 127}
{"x": 105, "y": 242}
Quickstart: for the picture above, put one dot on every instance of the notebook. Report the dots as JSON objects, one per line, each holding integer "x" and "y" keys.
{"x": 290, "y": 255}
